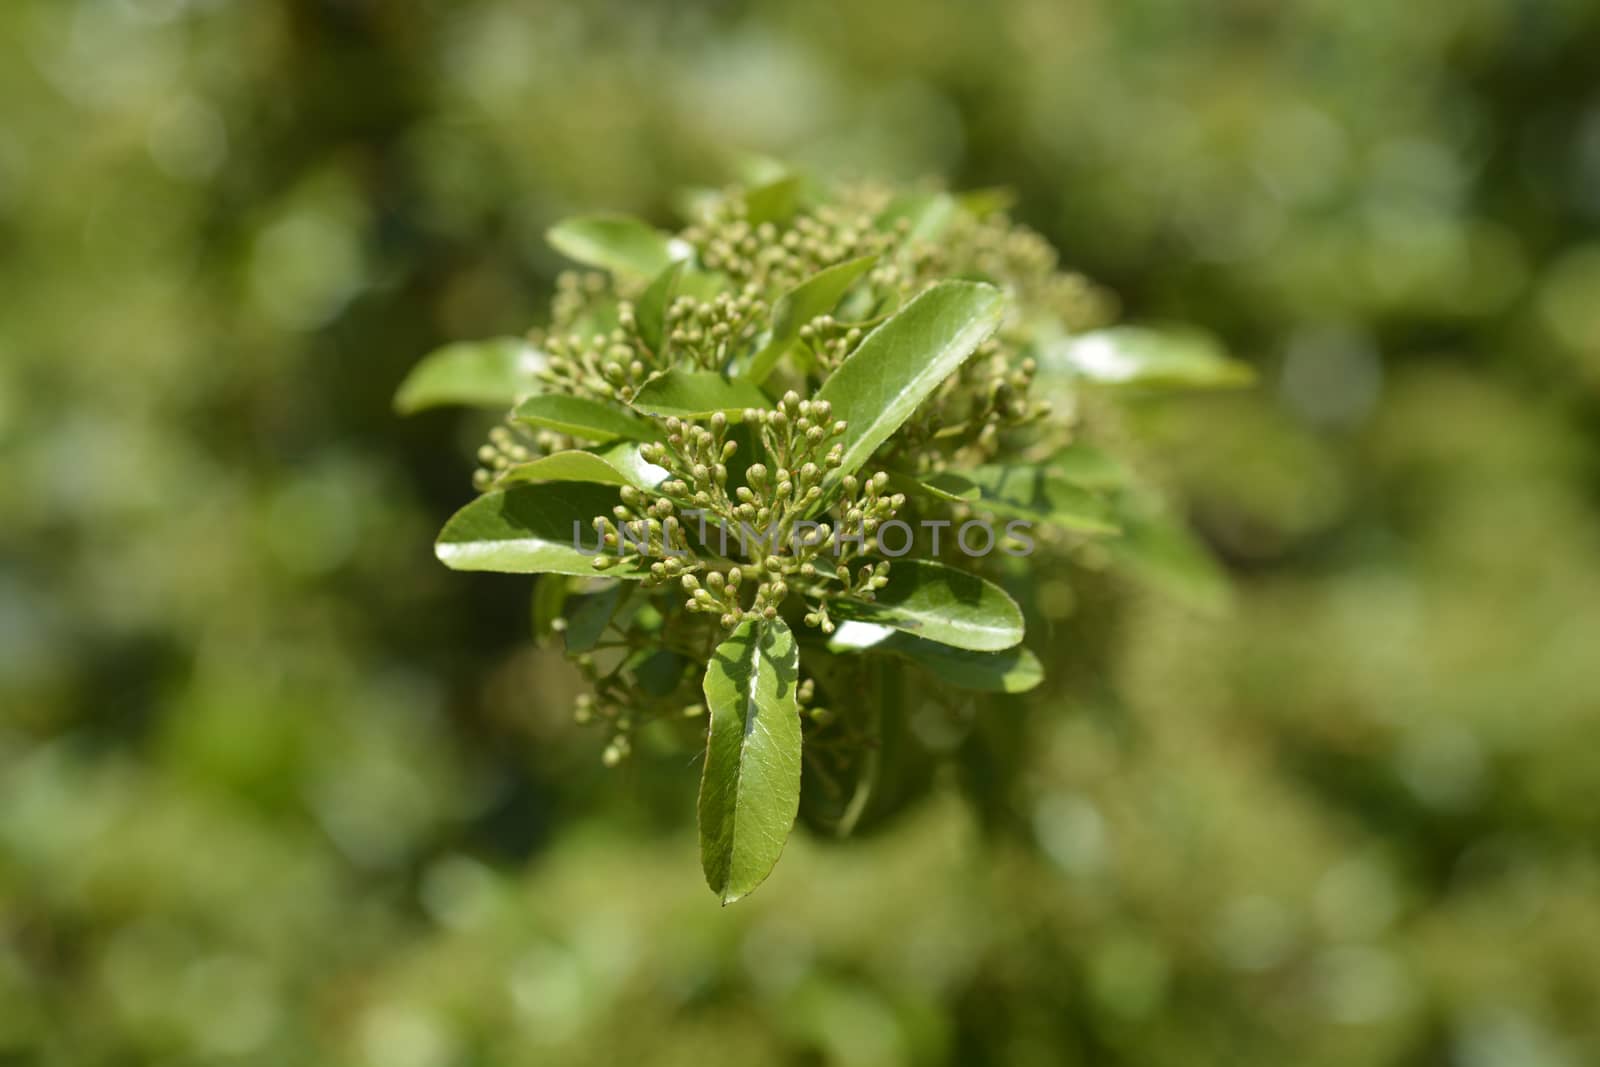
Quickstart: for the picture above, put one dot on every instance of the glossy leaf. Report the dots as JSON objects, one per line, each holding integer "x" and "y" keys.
{"x": 617, "y": 243}
{"x": 1024, "y": 491}
{"x": 1143, "y": 356}
{"x": 1015, "y": 670}
{"x": 853, "y": 636}
{"x": 530, "y": 529}
{"x": 750, "y": 789}
{"x": 493, "y": 374}
{"x": 900, "y": 363}
{"x": 568, "y": 466}
{"x": 581, "y": 417}
{"x": 939, "y": 603}
{"x": 817, "y": 295}
{"x": 625, "y": 457}
{"x": 687, "y": 393}
{"x": 650, "y": 311}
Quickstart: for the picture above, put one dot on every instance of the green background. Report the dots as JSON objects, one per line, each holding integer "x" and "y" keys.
{"x": 277, "y": 788}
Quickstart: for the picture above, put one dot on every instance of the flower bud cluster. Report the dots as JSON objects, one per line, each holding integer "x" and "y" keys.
{"x": 755, "y": 517}
{"x": 708, "y": 333}
{"x": 775, "y": 259}
{"x": 595, "y": 348}
{"x": 740, "y": 542}
{"x": 507, "y": 446}
{"x": 604, "y": 366}
{"x": 578, "y": 294}
{"x": 967, "y": 421}
{"x": 830, "y": 340}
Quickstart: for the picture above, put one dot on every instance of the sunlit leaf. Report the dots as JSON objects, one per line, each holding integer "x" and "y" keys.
{"x": 900, "y": 363}
{"x": 568, "y": 466}
{"x": 687, "y": 394}
{"x": 1015, "y": 670}
{"x": 750, "y": 789}
{"x": 530, "y": 529}
{"x": 493, "y": 374}
{"x": 817, "y": 295}
{"x": 939, "y": 603}
{"x": 582, "y": 417}
{"x": 650, "y": 311}
{"x": 1023, "y": 491}
{"x": 1144, "y": 356}
{"x": 617, "y": 243}
{"x": 625, "y": 457}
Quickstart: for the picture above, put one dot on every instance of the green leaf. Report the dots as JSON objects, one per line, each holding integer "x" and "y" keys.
{"x": 579, "y": 416}
{"x": 625, "y": 457}
{"x": 617, "y": 243}
{"x": 530, "y": 529}
{"x": 873, "y": 762}
{"x": 568, "y": 466}
{"x": 689, "y": 393}
{"x": 493, "y": 374}
{"x": 900, "y": 363}
{"x": 926, "y": 215}
{"x": 817, "y": 295}
{"x": 658, "y": 671}
{"x": 1140, "y": 356}
{"x": 1015, "y": 670}
{"x": 651, "y": 310}
{"x": 587, "y": 617}
{"x": 776, "y": 201}
{"x": 939, "y": 603}
{"x": 751, "y": 787}
{"x": 1024, "y": 491}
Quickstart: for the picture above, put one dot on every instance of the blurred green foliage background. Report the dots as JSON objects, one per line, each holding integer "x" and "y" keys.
{"x": 276, "y": 788}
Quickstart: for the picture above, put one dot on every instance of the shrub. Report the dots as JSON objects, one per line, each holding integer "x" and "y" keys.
{"x": 771, "y": 463}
